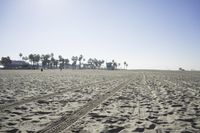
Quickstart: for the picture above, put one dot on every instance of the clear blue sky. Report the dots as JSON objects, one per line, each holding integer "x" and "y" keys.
{"x": 158, "y": 34}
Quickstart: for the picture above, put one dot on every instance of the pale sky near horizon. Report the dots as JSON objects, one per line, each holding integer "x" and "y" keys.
{"x": 148, "y": 34}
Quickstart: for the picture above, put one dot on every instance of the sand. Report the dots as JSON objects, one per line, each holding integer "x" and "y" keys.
{"x": 94, "y": 101}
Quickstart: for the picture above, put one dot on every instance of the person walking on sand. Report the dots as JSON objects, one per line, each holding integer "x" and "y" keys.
{"x": 60, "y": 68}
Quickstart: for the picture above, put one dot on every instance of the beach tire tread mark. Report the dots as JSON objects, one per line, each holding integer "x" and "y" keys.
{"x": 66, "y": 121}
{"x": 17, "y": 103}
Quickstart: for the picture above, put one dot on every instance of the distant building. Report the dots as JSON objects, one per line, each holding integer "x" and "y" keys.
{"x": 88, "y": 66}
{"x": 18, "y": 65}
{"x": 110, "y": 66}
{"x": 68, "y": 66}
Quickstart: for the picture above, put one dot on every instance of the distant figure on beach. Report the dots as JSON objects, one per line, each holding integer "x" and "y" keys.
{"x": 60, "y": 68}
{"x": 41, "y": 69}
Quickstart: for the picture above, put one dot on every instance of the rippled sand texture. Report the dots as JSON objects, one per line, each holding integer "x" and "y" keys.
{"x": 92, "y": 101}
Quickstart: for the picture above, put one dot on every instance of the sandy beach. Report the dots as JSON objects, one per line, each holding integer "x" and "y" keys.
{"x": 99, "y": 101}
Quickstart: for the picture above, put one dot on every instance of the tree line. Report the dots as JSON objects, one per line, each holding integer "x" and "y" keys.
{"x": 49, "y": 61}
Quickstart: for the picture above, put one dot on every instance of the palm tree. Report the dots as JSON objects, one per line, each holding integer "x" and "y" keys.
{"x": 79, "y": 59}
{"x": 34, "y": 58}
{"x": 51, "y": 55}
{"x": 45, "y": 60}
{"x": 124, "y": 64}
{"x": 52, "y": 60}
{"x": 61, "y": 60}
{"x": 20, "y": 55}
{"x": 100, "y": 63}
{"x": 114, "y": 65}
{"x": 56, "y": 63}
{"x": 5, "y": 61}
{"x": 83, "y": 62}
{"x": 74, "y": 59}
{"x": 47, "y": 56}
{"x": 90, "y": 62}
{"x": 95, "y": 62}
{"x": 25, "y": 58}
{"x": 31, "y": 58}
{"x": 66, "y": 62}
{"x": 37, "y": 59}
{"x": 119, "y": 65}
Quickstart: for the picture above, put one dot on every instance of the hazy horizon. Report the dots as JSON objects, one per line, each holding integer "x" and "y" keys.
{"x": 147, "y": 34}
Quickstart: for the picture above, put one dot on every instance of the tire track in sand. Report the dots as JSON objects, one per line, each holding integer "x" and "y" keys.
{"x": 17, "y": 103}
{"x": 66, "y": 121}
